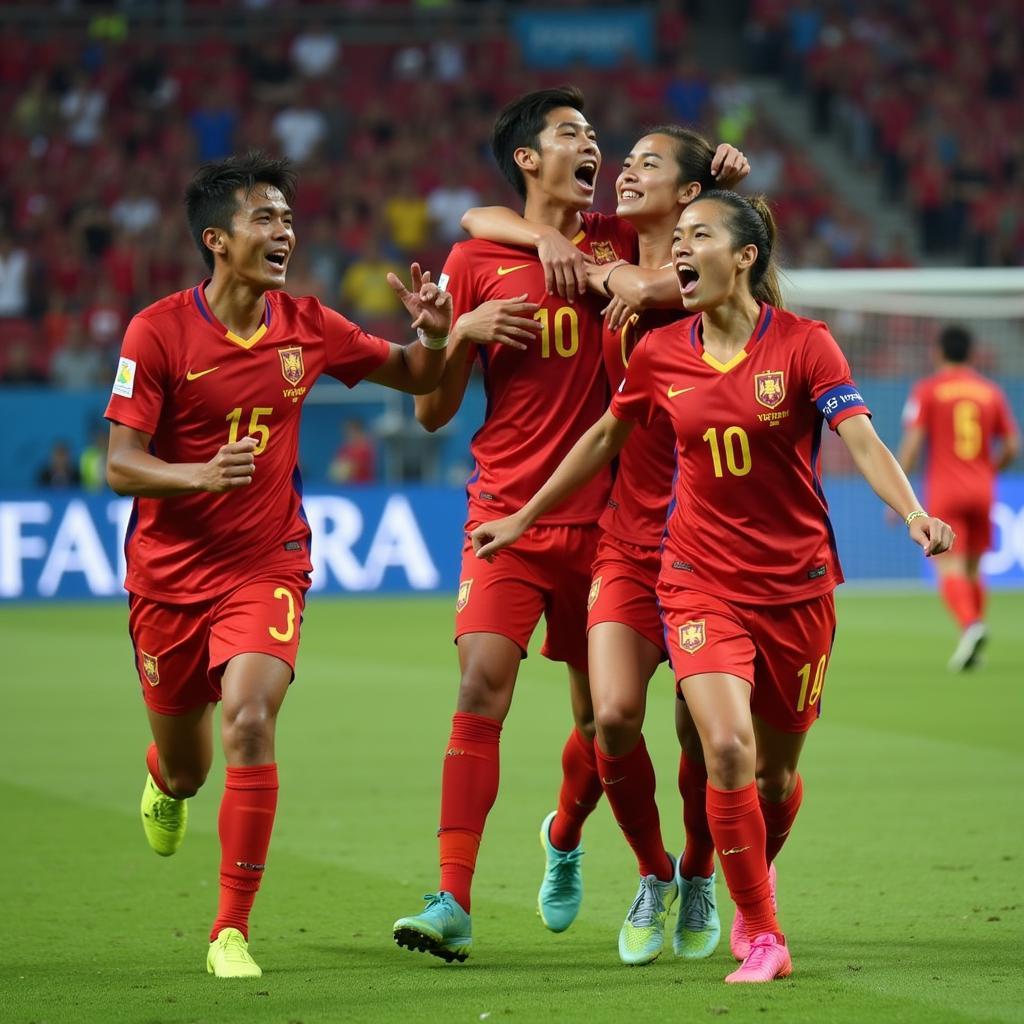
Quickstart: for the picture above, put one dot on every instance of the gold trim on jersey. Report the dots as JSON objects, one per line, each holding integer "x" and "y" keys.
{"x": 576, "y": 239}
{"x": 246, "y": 342}
{"x": 724, "y": 367}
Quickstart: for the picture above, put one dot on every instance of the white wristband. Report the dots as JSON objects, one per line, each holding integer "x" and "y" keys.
{"x": 435, "y": 344}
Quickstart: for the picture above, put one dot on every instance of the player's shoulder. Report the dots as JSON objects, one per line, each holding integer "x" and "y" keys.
{"x": 661, "y": 338}
{"x": 472, "y": 250}
{"x": 171, "y": 308}
{"x": 609, "y": 227}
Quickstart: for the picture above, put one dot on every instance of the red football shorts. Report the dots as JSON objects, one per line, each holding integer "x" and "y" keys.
{"x": 622, "y": 588}
{"x": 781, "y": 650}
{"x": 181, "y": 649}
{"x": 546, "y": 572}
{"x": 972, "y": 525}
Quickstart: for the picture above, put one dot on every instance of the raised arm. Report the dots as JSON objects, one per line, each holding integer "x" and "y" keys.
{"x": 594, "y": 450}
{"x": 133, "y": 471}
{"x": 881, "y": 470}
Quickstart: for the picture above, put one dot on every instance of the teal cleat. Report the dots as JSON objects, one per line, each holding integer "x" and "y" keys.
{"x": 443, "y": 929}
{"x": 561, "y": 891}
{"x": 642, "y": 936}
{"x": 698, "y": 929}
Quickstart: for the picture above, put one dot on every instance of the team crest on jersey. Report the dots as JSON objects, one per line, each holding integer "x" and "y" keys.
{"x": 463, "y": 599}
{"x": 692, "y": 636}
{"x": 603, "y": 252}
{"x": 595, "y": 589}
{"x": 770, "y": 388}
{"x": 150, "y": 668}
{"x": 291, "y": 364}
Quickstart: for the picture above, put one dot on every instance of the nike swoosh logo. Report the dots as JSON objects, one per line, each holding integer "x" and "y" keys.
{"x": 202, "y": 373}
{"x": 502, "y": 271}
{"x": 611, "y": 782}
{"x": 735, "y": 849}
{"x": 672, "y": 392}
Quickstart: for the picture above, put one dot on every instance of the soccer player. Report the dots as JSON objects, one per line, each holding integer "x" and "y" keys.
{"x": 966, "y": 423}
{"x": 541, "y": 397}
{"x": 204, "y": 434}
{"x": 749, "y": 564}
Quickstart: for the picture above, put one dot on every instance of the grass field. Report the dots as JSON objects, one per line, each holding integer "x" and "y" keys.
{"x": 900, "y": 891}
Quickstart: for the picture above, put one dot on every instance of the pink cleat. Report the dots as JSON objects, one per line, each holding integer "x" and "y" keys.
{"x": 768, "y": 959}
{"x": 739, "y": 942}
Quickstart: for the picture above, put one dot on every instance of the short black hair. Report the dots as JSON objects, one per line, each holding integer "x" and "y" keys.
{"x": 210, "y": 200}
{"x": 521, "y": 122}
{"x": 955, "y": 342}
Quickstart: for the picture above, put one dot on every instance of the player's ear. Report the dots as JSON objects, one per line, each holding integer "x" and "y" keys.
{"x": 526, "y": 158}
{"x": 746, "y": 257}
{"x": 213, "y": 239}
{"x": 688, "y": 192}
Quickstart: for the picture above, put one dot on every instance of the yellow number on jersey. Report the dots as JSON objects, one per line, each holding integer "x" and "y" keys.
{"x": 289, "y": 626}
{"x": 565, "y": 332}
{"x": 966, "y": 430}
{"x": 810, "y": 699}
{"x": 737, "y": 450}
{"x": 256, "y": 429}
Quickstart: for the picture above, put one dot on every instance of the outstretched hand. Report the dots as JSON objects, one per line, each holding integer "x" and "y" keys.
{"x": 430, "y": 308}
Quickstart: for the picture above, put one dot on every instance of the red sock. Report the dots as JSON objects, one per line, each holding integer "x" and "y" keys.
{"x": 736, "y": 823}
{"x": 245, "y": 823}
{"x": 958, "y": 593}
{"x": 153, "y": 764}
{"x": 629, "y": 785}
{"x": 469, "y": 786}
{"x": 580, "y": 792}
{"x": 779, "y": 818}
{"x": 699, "y": 854}
{"x": 980, "y": 595}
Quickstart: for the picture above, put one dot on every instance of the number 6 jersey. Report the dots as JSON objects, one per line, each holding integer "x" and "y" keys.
{"x": 749, "y": 521}
{"x": 193, "y": 385}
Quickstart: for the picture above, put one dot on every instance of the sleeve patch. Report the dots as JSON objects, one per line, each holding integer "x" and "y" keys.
{"x": 442, "y": 282}
{"x": 124, "y": 380}
{"x": 838, "y": 400}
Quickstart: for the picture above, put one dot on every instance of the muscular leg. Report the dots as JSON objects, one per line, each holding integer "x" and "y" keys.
{"x": 253, "y": 687}
{"x": 184, "y": 745}
{"x": 779, "y": 786}
{"x": 698, "y": 859}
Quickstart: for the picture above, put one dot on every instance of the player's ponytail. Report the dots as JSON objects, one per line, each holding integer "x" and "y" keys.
{"x": 750, "y": 222}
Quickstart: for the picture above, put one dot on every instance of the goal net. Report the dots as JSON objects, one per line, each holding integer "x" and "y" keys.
{"x": 887, "y": 322}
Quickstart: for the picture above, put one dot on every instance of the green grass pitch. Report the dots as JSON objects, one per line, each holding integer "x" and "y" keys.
{"x": 900, "y": 890}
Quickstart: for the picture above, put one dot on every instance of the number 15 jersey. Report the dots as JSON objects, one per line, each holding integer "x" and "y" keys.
{"x": 193, "y": 385}
{"x": 749, "y": 521}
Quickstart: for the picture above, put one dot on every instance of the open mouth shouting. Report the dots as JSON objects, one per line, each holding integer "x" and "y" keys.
{"x": 688, "y": 278}
{"x": 585, "y": 175}
{"x": 277, "y": 260}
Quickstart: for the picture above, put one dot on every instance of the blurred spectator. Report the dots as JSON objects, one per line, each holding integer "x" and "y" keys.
{"x": 60, "y": 469}
{"x": 77, "y": 365}
{"x": 136, "y": 210}
{"x": 92, "y": 463}
{"x": 364, "y": 290}
{"x": 406, "y": 214}
{"x": 688, "y": 91}
{"x": 104, "y": 318}
{"x": 14, "y": 267}
{"x": 355, "y": 461}
{"x": 82, "y": 107}
{"x": 300, "y": 128}
{"x": 21, "y": 369}
{"x": 448, "y": 202}
{"x": 315, "y": 51}
{"x": 214, "y": 124}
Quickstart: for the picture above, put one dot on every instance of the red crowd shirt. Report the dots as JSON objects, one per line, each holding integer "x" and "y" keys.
{"x": 638, "y": 504}
{"x": 541, "y": 400}
{"x": 193, "y": 385}
{"x": 749, "y": 520}
{"x": 961, "y": 413}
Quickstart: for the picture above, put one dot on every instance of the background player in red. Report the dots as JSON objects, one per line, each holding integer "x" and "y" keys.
{"x": 204, "y": 434}
{"x": 541, "y": 398}
{"x": 749, "y": 565}
{"x": 965, "y": 422}
{"x": 666, "y": 168}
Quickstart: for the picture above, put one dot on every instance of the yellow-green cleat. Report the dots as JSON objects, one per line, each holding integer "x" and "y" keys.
{"x": 642, "y": 936}
{"x": 229, "y": 956}
{"x": 163, "y": 819}
{"x": 698, "y": 929}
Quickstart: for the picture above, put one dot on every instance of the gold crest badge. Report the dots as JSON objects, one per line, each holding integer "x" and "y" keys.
{"x": 595, "y": 589}
{"x": 291, "y": 364}
{"x": 692, "y": 636}
{"x": 603, "y": 252}
{"x": 150, "y": 668}
{"x": 770, "y": 388}
{"x": 463, "y": 599}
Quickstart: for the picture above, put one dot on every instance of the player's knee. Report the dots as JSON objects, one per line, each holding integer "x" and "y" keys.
{"x": 249, "y": 730}
{"x": 185, "y": 782}
{"x": 483, "y": 693}
{"x": 729, "y": 755}
{"x": 776, "y": 784}
{"x": 618, "y": 728}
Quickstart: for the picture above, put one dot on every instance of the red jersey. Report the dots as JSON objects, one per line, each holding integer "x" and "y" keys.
{"x": 961, "y": 413}
{"x": 749, "y": 521}
{"x": 194, "y": 386}
{"x": 638, "y": 505}
{"x": 541, "y": 400}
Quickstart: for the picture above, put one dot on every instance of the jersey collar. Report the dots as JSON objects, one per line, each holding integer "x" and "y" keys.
{"x": 697, "y": 341}
{"x": 203, "y": 307}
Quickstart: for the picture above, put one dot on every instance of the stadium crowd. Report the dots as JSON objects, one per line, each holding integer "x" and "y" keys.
{"x": 390, "y": 141}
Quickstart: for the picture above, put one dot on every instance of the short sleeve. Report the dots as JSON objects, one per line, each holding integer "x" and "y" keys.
{"x": 635, "y": 399}
{"x": 352, "y": 354}
{"x": 140, "y": 381}
{"x": 459, "y": 282}
{"x": 829, "y": 380}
